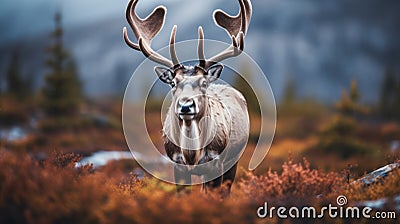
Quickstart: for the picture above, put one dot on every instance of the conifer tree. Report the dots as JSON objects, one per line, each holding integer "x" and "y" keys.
{"x": 62, "y": 90}
{"x": 289, "y": 92}
{"x": 390, "y": 95}
{"x": 17, "y": 87}
{"x": 349, "y": 103}
{"x": 244, "y": 87}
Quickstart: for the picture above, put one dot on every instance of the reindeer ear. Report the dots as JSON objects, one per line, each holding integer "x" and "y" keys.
{"x": 164, "y": 74}
{"x": 214, "y": 72}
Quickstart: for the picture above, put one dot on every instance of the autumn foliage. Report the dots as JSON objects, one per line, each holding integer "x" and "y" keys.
{"x": 54, "y": 191}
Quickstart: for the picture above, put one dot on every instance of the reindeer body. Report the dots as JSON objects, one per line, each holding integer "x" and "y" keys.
{"x": 227, "y": 108}
{"x": 207, "y": 125}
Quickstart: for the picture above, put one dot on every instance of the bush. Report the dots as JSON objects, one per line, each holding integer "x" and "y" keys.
{"x": 339, "y": 137}
{"x": 296, "y": 184}
{"x": 343, "y": 147}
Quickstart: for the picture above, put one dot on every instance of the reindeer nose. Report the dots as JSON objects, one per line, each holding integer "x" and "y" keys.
{"x": 185, "y": 105}
{"x": 185, "y": 109}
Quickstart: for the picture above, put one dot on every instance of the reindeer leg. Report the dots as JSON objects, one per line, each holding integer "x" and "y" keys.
{"x": 182, "y": 178}
{"x": 214, "y": 183}
{"x": 228, "y": 179}
{"x": 216, "y": 168}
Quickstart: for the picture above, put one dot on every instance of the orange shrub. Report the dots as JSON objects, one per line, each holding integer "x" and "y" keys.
{"x": 296, "y": 184}
{"x": 54, "y": 191}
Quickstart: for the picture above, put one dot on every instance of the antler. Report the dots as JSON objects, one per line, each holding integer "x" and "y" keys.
{"x": 145, "y": 30}
{"x": 235, "y": 26}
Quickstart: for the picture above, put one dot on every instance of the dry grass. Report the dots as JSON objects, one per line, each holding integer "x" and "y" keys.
{"x": 53, "y": 191}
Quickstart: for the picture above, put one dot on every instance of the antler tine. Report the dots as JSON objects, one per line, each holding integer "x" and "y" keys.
{"x": 128, "y": 41}
{"x": 145, "y": 30}
{"x": 200, "y": 49}
{"x": 236, "y": 27}
{"x": 172, "y": 50}
{"x": 129, "y": 19}
{"x": 232, "y": 51}
{"x": 248, "y": 10}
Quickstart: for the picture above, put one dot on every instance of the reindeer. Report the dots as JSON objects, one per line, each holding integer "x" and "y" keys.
{"x": 207, "y": 125}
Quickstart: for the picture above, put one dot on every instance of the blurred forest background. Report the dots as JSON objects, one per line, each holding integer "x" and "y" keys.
{"x": 333, "y": 67}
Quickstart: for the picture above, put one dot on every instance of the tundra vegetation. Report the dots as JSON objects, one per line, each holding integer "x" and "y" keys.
{"x": 317, "y": 153}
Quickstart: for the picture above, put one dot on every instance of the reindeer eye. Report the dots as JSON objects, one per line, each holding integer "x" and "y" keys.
{"x": 204, "y": 84}
{"x": 172, "y": 84}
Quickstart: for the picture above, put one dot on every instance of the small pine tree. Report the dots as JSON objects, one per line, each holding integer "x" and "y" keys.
{"x": 389, "y": 104}
{"x": 348, "y": 104}
{"x": 17, "y": 87}
{"x": 397, "y": 100}
{"x": 62, "y": 90}
{"x": 289, "y": 92}
{"x": 244, "y": 87}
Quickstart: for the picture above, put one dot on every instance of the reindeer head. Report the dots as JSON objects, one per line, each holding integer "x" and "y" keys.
{"x": 189, "y": 83}
{"x": 189, "y": 88}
